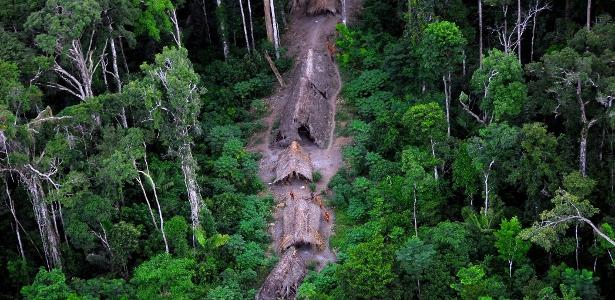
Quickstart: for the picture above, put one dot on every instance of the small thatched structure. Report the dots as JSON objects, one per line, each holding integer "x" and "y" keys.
{"x": 314, "y": 7}
{"x": 301, "y": 224}
{"x": 283, "y": 281}
{"x": 293, "y": 162}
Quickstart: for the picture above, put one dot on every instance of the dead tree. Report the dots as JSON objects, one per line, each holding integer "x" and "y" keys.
{"x": 511, "y": 39}
{"x": 84, "y": 62}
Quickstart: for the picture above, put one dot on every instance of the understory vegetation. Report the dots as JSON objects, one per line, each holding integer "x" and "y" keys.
{"x": 475, "y": 177}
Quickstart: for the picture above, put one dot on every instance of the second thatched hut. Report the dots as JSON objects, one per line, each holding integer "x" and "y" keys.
{"x": 292, "y": 163}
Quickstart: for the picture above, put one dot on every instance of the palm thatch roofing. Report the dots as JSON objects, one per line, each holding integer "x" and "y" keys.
{"x": 283, "y": 281}
{"x": 301, "y": 224}
{"x": 314, "y": 7}
{"x": 308, "y": 104}
{"x": 293, "y": 162}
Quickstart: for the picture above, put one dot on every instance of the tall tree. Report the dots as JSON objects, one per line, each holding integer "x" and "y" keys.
{"x": 68, "y": 34}
{"x": 495, "y": 144}
{"x": 441, "y": 51}
{"x": 171, "y": 93}
{"x": 509, "y": 245}
{"x": 499, "y": 84}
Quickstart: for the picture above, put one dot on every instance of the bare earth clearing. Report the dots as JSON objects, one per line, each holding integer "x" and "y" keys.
{"x": 303, "y": 111}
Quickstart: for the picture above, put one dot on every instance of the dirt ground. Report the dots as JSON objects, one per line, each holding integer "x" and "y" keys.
{"x": 305, "y": 34}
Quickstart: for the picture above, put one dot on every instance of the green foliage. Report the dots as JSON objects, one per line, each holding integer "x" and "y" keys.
{"x": 474, "y": 284}
{"x": 164, "y": 277}
{"x": 48, "y": 285}
{"x": 567, "y": 210}
{"x": 509, "y": 245}
{"x": 441, "y": 48}
{"x": 153, "y": 18}
{"x": 367, "y": 271}
{"x": 500, "y": 84}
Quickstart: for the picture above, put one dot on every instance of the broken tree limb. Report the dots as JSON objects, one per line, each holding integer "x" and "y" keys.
{"x": 275, "y": 70}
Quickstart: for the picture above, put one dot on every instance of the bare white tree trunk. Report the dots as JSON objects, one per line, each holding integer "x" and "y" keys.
{"x": 251, "y": 25}
{"x": 486, "y": 175}
{"x": 176, "y": 32}
{"x": 276, "y": 33}
{"x": 206, "y": 21}
{"x": 433, "y": 154}
{"x": 188, "y": 165}
{"x": 344, "y": 15}
{"x": 576, "y": 250}
{"x": 416, "y": 228}
{"x": 589, "y": 15}
{"x": 148, "y": 175}
{"x": 519, "y": 33}
{"x": 49, "y": 239}
{"x": 225, "y": 46}
{"x": 11, "y": 206}
{"x": 447, "y": 100}
{"x": 533, "y": 34}
{"x": 116, "y": 70}
{"x": 245, "y": 28}
{"x": 480, "y": 32}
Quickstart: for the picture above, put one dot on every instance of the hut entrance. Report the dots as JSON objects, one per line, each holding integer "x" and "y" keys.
{"x": 305, "y": 135}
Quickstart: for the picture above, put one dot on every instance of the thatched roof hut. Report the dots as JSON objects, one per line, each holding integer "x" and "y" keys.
{"x": 308, "y": 106}
{"x": 293, "y": 162}
{"x": 314, "y": 7}
{"x": 283, "y": 281}
{"x": 301, "y": 224}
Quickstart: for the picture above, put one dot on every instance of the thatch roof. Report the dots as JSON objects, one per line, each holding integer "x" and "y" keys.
{"x": 308, "y": 104}
{"x": 301, "y": 224}
{"x": 293, "y": 162}
{"x": 314, "y": 7}
{"x": 283, "y": 281}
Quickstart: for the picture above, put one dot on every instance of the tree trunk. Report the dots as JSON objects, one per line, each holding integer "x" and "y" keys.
{"x": 116, "y": 70}
{"x": 188, "y": 165}
{"x": 11, "y": 206}
{"x": 510, "y": 264}
{"x": 583, "y": 150}
{"x": 433, "y": 154}
{"x": 245, "y": 28}
{"x": 148, "y": 175}
{"x": 589, "y": 14}
{"x": 576, "y": 250}
{"x": 416, "y": 228}
{"x": 486, "y": 175}
{"x": 519, "y": 29}
{"x": 268, "y": 23}
{"x": 480, "y": 32}
{"x": 176, "y": 32}
{"x": 276, "y": 32}
{"x": 447, "y": 101}
{"x": 533, "y": 37}
{"x": 344, "y": 15}
{"x": 251, "y": 25}
{"x": 207, "y": 30}
{"x": 225, "y": 46}
{"x": 49, "y": 239}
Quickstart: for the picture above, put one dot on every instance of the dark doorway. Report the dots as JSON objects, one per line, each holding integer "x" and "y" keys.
{"x": 305, "y": 135}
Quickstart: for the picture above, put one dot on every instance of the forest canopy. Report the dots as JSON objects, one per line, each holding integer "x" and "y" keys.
{"x": 481, "y": 163}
